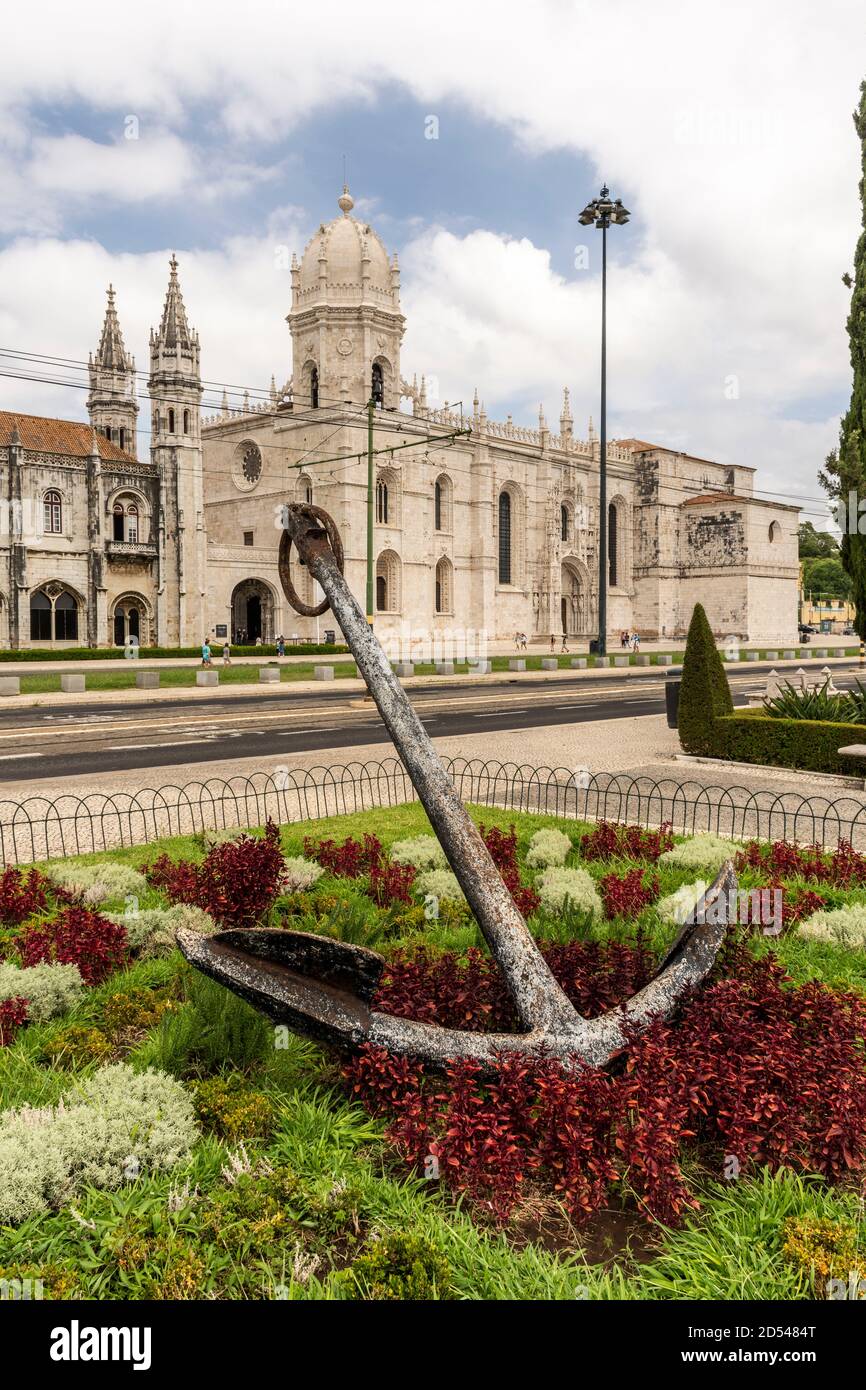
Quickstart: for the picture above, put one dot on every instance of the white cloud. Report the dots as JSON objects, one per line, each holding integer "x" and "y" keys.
{"x": 728, "y": 131}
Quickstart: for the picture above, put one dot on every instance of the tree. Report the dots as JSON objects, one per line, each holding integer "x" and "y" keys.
{"x": 826, "y": 578}
{"x": 816, "y": 544}
{"x": 704, "y": 691}
{"x": 845, "y": 468}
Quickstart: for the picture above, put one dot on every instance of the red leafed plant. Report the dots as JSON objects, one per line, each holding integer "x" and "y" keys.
{"x": 752, "y": 1068}
{"x": 391, "y": 883}
{"x": 21, "y": 895}
{"x": 628, "y": 894}
{"x": 503, "y": 852}
{"x": 237, "y": 883}
{"x": 13, "y": 1014}
{"x": 77, "y": 937}
{"x": 349, "y": 859}
{"x": 843, "y": 868}
{"x": 609, "y": 841}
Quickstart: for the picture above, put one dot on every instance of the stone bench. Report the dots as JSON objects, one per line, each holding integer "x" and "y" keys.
{"x": 516, "y": 664}
{"x": 602, "y": 661}
{"x": 622, "y": 661}
{"x": 854, "y": 751}
{"x": 642, "y": 659}
{"x": 445, "y": 668}
{"x": 579, "y": 663}
{"x": 147, "y": 680}
{"x": 404, "y": 668}
{"x": 10, "y": 685}
{"x": 549, "y": 663}
{"x": 73, "y": 684}
{"x": 664, "y": 659}
{"x": 323, "y": 673}
{"x": 269, "y": 675}
{"x": 207, "y": 677}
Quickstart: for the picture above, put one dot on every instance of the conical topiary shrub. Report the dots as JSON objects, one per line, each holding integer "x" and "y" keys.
{"x": 704, "y": 692}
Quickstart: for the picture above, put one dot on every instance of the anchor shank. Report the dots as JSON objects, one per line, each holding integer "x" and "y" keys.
{"x": 539, "y": 1001}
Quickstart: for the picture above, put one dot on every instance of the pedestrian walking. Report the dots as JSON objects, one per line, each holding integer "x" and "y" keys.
{"x": 205, "y": 653}
{"x": 565, "y": 642}
{"x": 523, "y": 641}
{"x": 635, "y": 641}
{"x": 227, "y": 655}
{"x": 552, "y": 642}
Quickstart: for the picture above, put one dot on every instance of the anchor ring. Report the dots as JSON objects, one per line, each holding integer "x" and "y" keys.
{"x": 317, "y": 514}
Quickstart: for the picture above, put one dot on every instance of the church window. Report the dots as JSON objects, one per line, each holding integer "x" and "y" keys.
{"x": 563, "y": 522}
{"x": 132, "y": 520}
{"x": 186, "y": 422}
{"x": 314, "y": 388}
{"x": 442, "y": 494}
{"x": 504, "y": 538}
{"x": 381, "y": 593}
{"x": 121, "y": 437}
{"x": 251, "y": 463}
{"x": 52, "y": 513}
{"x": 378, "y": 385}
{"x": 444, "y": 600}
{"x": 612, "y": 558}
{"x": 388, "y": 582}
{"x": 57, "y": 620}
{"x": 382, "y": 503}
{"x": 249, "y": 537}
{"x": 171, "y": 420}
{"x": 118, "y": 523}
{"x": 437, "y": 505}
{"x": 40, "y": 617}
{"x": 775, "y": 532}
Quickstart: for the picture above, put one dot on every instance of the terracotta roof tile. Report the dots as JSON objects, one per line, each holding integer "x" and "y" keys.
{"x": 71, "y": 437}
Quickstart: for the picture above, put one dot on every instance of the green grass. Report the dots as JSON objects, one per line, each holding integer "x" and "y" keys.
{"x": 344, "y": 1190}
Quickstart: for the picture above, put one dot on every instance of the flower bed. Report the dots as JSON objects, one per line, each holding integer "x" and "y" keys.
{"x": 279, "y": 1170}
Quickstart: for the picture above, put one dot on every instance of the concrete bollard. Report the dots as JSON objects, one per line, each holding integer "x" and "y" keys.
{"x": 823, "y": 652}
{"x": 549, "y": 663}
{"x": 579, "y": 663}
{"x": 602, "y": 661}
{"x": 10, "y": 685}
{"x": 323, "y": 673}
{"x": 621, "y": 661}
{"x": 481, "y": 667}
{"x": 405, "y": 668}
{"x": 752, "y": 656}
{"x": 72, "y": 684}
{"x": 516, "y": 664}
{"x": 771, "y": 656}
{"x": 207, "y": 677}
{"x": 789, "y": 656}
{"x": 445, "y": 668}
{"x": 642, "y": 659}
{"x": 147, "y": 680}
{"x": 269, "y": 675}
{"x": 665, "y": 659}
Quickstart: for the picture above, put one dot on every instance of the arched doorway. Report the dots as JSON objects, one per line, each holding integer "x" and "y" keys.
{"x": 130, "y": 621}
{"x": 252, "y": 612}
{"x": 574, "y": 605}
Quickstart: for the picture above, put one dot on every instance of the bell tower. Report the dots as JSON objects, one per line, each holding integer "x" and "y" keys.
{"x": 345, "y": 319}
{"x": 175, "y": 391}
{"x": 111, "y": 404}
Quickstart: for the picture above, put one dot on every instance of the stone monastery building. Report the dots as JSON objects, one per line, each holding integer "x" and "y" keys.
{"x": 481, "y": 526}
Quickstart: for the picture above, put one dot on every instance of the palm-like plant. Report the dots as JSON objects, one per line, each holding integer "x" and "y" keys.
{"x": 792, "y": 702}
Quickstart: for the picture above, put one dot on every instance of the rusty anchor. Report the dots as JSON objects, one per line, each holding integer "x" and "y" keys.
{"x": 324, "y": 989}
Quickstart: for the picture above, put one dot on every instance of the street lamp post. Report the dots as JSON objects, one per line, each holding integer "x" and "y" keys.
{"x": 603, "y": 212}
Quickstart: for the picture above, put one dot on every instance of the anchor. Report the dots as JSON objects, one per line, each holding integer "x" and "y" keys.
{"x": 324, "y": 989}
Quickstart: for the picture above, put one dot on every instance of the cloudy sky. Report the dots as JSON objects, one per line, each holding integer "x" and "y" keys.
{"x": 220, "y": 132}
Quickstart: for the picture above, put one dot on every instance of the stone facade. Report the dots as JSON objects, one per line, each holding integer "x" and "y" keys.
{"x": 481, "y": 528}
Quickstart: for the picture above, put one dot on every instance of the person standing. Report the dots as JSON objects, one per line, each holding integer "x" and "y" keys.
{"x": 205, "y": 653}
{"x": 281, "y": 645}
{"x": 552, "y": 642}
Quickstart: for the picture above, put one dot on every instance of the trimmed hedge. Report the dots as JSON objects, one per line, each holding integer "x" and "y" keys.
{"x": 149, "y": 653}
{"x": 809, "y": 744}
{"x": 704, "y": 692}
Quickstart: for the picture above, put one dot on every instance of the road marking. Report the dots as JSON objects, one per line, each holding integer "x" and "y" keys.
{"x": 10, "y": 757}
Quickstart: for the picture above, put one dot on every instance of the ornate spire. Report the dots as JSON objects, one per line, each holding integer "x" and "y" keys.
{"x": 174, "y": 330}
{"x": 111, "y": 353}
{"x": 566, "y": 423}
{"x": 591, "y": 434}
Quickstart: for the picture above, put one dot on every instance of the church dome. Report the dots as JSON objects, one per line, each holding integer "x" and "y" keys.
{"x": 346, "y": 262}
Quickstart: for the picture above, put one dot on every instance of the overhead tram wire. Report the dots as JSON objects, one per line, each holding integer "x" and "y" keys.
{"x": 314, "y": 415}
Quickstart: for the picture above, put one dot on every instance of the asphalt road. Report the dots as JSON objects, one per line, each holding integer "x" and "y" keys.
{"x": 106, "y": 736}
